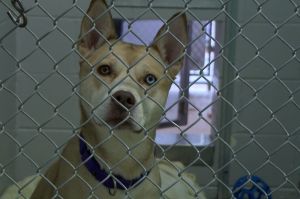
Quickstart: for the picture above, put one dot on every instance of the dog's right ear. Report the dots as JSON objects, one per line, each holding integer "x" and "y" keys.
{"x": 170, "y": 41}
{"x": 97, "y": 27}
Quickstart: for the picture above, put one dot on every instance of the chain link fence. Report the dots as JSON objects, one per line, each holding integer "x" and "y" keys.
{"x": 232, "y": 112}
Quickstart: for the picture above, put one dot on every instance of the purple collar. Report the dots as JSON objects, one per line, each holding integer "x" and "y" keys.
{"x": 109, "y": 180}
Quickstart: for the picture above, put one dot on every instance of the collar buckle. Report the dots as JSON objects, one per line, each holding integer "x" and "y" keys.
{"x": 113, "y": 191}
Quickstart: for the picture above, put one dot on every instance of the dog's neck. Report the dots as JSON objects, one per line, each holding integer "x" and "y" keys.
{"x": 111, "y": 149}
{"x": 101, "y": 175}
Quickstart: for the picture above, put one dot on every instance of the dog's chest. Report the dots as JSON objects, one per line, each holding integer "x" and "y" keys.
{"x": 84, "y": 185}
{"x": 87, "y": 187}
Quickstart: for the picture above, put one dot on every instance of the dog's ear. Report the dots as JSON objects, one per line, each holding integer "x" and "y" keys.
{"x": 97, "y": 26}
{"x": 170, "y": 41}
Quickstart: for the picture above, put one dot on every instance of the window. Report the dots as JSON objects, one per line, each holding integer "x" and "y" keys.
{"x": 188, "y": 110}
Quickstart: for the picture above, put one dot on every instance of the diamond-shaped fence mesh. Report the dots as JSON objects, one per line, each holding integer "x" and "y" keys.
{"x": 228, "y": 127}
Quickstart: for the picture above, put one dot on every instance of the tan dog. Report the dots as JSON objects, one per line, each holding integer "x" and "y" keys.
{"x": 123, "y": 90}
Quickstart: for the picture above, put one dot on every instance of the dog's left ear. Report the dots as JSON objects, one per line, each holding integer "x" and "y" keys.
{"x": 170, "y": 41}
{"x": 97, "y": 26}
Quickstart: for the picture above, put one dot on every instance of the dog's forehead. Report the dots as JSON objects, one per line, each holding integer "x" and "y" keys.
{"x": 129, "y": 54}
{"x": 135, "y": 54}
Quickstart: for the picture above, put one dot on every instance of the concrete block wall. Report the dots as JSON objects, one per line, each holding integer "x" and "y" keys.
{"x": 7, "y": 100}
{"x": 49, "y": 90}
{"x": 270, "y": 79}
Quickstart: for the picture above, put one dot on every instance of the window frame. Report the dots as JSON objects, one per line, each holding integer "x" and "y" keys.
{"x": 205, "y": 151}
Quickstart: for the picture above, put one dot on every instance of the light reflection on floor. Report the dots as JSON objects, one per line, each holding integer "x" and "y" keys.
{"x": 197, "y": 130}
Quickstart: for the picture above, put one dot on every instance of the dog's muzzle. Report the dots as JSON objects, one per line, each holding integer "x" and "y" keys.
{"x": 123, "y": 99}
{"x": 121, "y": 114}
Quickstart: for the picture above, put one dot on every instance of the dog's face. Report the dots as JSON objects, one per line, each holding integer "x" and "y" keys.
{"x": 125, "y": 86}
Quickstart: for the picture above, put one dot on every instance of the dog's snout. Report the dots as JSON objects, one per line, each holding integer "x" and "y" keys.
{"x": 124, "y": 98}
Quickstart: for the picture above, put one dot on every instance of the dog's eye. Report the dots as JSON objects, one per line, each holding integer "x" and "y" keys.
{"x": 150, "y": 79}
{"x": 104, "y": 70}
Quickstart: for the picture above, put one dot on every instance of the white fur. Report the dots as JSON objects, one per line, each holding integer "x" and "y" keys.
{"x": 23, "y": 189}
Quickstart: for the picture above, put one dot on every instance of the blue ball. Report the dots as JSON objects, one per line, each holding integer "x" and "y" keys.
{"x": 258, "y": 189}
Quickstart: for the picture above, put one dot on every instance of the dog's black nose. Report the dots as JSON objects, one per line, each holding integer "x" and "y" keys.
{"x": 124, "y": 98}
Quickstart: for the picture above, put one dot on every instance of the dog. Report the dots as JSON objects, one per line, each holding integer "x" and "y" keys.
{"x": 123, "y": 90}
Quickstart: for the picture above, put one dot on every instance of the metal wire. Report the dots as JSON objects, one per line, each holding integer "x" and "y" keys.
{"x": 239, "y": 116}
